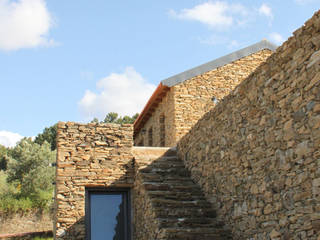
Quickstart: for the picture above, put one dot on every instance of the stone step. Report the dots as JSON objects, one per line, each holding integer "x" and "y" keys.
{"x": 179, "y": 206}
{"x": 177, "y": 195}
{"x": 189, "y": 222}
{"x": 183, "y": 212}
{"x": 156, "y": 186}
{"x": 175, "y": 171}
{"x": 166, "y": 164}
{"x": 169, "y": 203}
{"x": 197, "y": 233}
{"x": 172, "y": 180}
{"x": 151, "y": 177}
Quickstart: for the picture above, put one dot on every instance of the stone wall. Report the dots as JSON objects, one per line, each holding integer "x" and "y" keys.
{"x": 91, "y": 155}
{"x": 165, "y": 107}
{"x": 256, "y": 154}
{"x": 187, "y": 102}
{"x": 145, "y": 226}
{"x": 194, "y": 97}
{"x": 25, "y": 222}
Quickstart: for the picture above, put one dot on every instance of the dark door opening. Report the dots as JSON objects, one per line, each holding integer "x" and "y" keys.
{"x": 107, "y": 214}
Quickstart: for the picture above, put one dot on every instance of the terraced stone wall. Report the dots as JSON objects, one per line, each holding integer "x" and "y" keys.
{"x": 196, "y": 96}
{"x": 256, "y": 154}
{"x": 88, "y": 155}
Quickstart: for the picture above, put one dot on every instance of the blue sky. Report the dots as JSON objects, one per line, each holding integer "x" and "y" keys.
{"x": 75, "y": 60}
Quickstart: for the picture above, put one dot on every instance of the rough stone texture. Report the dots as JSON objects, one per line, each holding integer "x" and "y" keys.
{"x": 165, "y": 107}
{"x": 256, "y": 154}
{"x": 169, "y": 205}
{"x": 92, "y": 155}
{"x": 194, "y": 97}
{"x": 185, "y": 103}
{"x": 25, "y": 222}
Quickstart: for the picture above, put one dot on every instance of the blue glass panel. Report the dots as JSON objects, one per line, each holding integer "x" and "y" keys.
{"x": 104, "y": 211}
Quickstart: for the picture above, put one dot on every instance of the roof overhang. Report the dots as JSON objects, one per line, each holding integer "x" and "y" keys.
{"x": 149, "y": 108}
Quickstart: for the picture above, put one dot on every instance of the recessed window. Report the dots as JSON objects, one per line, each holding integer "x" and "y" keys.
{"x": 140, "y": 143}
{"x": 162, "y": 121}
{"x": 150, "y": 137}
{"x": 107, "y": 214}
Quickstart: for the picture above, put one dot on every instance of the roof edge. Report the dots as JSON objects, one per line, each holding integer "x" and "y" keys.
{"x": 219, "y": 62}
{"x": 156, "y": 95}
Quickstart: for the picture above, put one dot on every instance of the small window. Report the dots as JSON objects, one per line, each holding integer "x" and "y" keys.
{"x": 107, "y": 214}
{"x": 140, "y": 143}
{"x": 150, "y": 137}
{"x": 162, "y": 130}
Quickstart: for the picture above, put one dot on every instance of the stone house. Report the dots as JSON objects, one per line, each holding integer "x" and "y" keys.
{"x": 248, "y": 168}
{"x": 181, "y": 100}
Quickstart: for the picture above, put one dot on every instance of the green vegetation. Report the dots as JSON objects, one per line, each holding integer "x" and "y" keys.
{"x": 26, "y": 177}
{"x": 3, "y": 158}
{"x": 113, "y": 117}
{"x": 26, "y": 174}
{"x": 49, "y": 135}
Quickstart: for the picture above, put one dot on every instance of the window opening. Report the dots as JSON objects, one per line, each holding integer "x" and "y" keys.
{"x": 107, "y": 214}
{"x": 162, "y": 131}
{"x": 150, "y": 137}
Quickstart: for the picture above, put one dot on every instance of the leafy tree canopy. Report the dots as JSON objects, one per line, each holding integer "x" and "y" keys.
{"x": 4, "y": 157}
{"x": 49, "y": 134}
{"x": 29, "y": 168}
{"x": 113, "y": 117}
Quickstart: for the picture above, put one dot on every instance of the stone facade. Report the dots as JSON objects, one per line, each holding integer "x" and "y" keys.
{"x": 256, "y": 155}
{"x": 185, "y": 103}
{"x": 166, "y": 109}
{"x": 248, "y": 169}
{"x": 194, "y": 97}
{"x": 88, "y": 156}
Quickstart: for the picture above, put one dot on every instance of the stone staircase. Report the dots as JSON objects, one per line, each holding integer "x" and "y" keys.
{"x": 179, "y": 207}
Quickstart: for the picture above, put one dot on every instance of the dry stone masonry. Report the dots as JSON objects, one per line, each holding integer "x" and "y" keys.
{"x": 89, "y": 155}
{"x": 256, "y": 154}
{"x": 185, "y": 103}
{"x": 248, "y": 169}
{"x": 196, "y": 96}
{"x": 171, "y": 206}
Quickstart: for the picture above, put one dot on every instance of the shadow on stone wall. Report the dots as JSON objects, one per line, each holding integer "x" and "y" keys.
{"x": 78, "y": 229}
{"x": 169, "y": 205}
{"x": 257, "y": 152}
{"x": 166, "y": 203}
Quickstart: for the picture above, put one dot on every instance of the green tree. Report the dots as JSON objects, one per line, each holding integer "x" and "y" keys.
{"x": 3, "y": 158}
{"x": 95, "y": 120}
{"x": 113, "y": 117}
{"x": 49, "y": 134}
{"x": 29, "y": 169}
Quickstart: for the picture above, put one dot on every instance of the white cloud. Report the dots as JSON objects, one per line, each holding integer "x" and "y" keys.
{"x": 9, "y": 139}
{"x": 125, "y": 93}
{"x": 24, "y": 24}
{"x": 266, "y": 11}
{"x": 276, "y": 38}
{"x": 218, "y": 14}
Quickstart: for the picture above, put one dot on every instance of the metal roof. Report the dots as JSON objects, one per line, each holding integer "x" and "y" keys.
{"x": 219, "y": 62}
